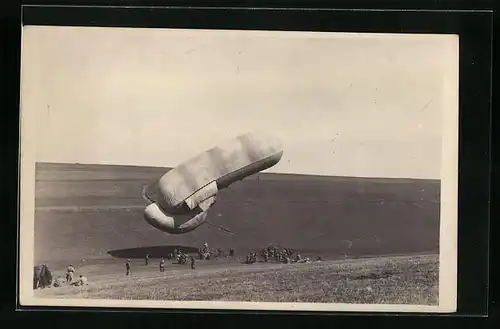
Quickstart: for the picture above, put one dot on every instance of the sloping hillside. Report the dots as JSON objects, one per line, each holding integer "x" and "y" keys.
{"x": 86, "y": 211}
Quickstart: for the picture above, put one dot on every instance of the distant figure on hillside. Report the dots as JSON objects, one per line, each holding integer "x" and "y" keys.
{"x": 162, "y": 265}
{"x": 192, "y": 263}
{"x": 127, "y": 267}
{"x": 70, "y": 271}
{"x": 146, "y": 260}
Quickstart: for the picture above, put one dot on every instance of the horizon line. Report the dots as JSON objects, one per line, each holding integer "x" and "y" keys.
{"x": 259, "y": 173}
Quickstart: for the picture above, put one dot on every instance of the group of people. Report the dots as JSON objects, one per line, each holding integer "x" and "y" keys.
{"x": 42, "y": 277}
{"x": 182, "y": 258}
{"x": 206, "y": 254}
{"x": 251, "y": 257}
{"x": 285, "y": 255}
{"x": 179, "y": 256}
{"x": 280, "y": 255}
{"x": 70, "y": 274}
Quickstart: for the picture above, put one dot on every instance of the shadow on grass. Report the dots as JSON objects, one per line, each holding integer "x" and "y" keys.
{"x": 153, "y": 251}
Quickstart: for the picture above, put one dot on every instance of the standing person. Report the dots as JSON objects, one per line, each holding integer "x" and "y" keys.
{"x": 146, "y": 260}
{"x": 69, "y": 273}
{"x": 192, "y": 263}
{"x": 127, "y": 267}
{"x": 162, "y": 265}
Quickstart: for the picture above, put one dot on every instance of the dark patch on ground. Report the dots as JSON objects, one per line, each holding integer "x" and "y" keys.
{"x": 374, "y": 276}
{"x": 152, "y": 251}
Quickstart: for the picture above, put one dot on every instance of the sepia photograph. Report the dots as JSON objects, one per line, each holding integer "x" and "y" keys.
{"x": 238, "y": 169}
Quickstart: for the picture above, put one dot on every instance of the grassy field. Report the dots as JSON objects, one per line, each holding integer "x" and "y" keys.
{"x": 384, "y": 280}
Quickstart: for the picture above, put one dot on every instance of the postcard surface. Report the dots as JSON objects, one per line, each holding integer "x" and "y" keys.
{"x": 176, "y": 168}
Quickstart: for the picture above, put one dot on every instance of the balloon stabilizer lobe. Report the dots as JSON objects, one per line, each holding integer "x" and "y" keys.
{"x": 174, "y": 224}
{"x": 187, "y": 192}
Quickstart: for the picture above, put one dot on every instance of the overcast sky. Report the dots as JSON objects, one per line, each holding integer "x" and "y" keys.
{"x": 342, "y": 104}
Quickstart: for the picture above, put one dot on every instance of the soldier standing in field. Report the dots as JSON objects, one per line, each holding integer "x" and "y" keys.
{"x": 146, "y": 260}
{"x": 69, "y": 273}
{"x": 192, "y": 263}
{"x": 127, "y": 267}
{"x": 162, "y": 265}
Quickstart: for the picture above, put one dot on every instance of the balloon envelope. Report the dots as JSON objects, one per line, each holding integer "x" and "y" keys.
{"x": 182, "y": 188}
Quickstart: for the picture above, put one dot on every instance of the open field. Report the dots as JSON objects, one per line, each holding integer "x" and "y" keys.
{"x": 91, "y": 216}
{"x": 395, "y": 280}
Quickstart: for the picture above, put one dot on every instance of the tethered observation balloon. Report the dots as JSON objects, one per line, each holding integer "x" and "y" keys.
{"x": 188, "y": 191}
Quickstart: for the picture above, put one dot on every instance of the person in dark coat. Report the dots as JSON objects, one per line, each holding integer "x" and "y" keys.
{"x": 127, "y": 267}
{"x": 193, "y": 263}
{"x": 42, "y": 277}
{"x": 162, "y": 265}
{"x": 36, "y": 276}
